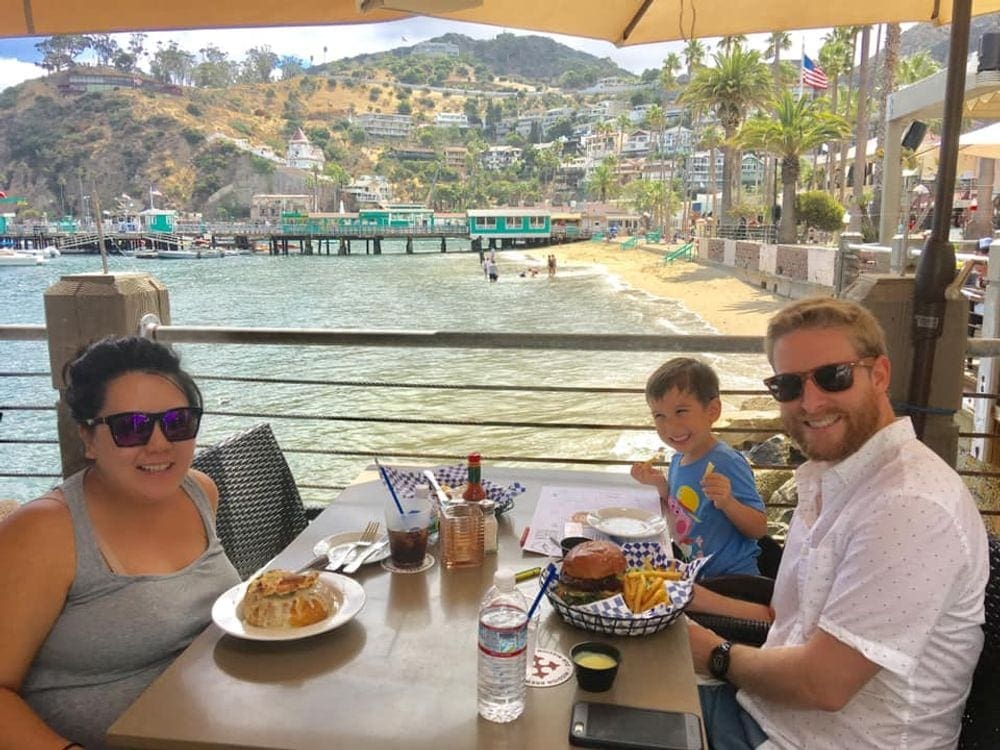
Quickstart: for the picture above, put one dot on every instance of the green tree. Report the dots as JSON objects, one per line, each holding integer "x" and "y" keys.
{"x": 835, "y": 59}
{"x": 694, "y": 55}
{"x": 602, "y": 182}
{"x": 258, "y": 64}
{"x": 816, "y": 208}
{"x": 916, "y": 67}
{"x": 797, "y": 126}
{"x": 215, "y": 70}
{"x": 738, "y": 83}
{"x": 171, "y": 64}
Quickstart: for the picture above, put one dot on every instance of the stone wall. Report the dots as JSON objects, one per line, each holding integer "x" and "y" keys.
{"x": 787, "y": 270}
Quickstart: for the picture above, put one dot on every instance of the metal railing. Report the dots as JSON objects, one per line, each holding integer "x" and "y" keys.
{"x": 297, "y": 337}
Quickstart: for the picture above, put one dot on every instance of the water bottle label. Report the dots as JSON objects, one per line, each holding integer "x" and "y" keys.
{"x": 502, "y": 642}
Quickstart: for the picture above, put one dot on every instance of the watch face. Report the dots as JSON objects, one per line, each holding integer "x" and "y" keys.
{"x": 718, "y": 663}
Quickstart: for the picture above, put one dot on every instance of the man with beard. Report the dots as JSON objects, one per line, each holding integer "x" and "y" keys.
{"x": 878, "y": 602}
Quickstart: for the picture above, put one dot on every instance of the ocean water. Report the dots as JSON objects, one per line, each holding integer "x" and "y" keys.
{"x": 424, "y": 291}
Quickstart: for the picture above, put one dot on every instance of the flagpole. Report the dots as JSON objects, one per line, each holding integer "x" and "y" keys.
{"x": 802, "y": 65}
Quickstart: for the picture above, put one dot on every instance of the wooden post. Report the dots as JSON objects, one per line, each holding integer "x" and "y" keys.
{"x": 83, "y": 308}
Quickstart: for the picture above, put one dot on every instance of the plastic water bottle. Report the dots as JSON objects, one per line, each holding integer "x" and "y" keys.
{"x": 503, "y": 637}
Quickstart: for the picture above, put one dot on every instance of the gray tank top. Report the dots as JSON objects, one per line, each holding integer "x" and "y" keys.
{"x": 117, "y": 633}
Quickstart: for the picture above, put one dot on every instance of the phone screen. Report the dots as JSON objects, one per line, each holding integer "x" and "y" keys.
{"x": 608, "y": 725}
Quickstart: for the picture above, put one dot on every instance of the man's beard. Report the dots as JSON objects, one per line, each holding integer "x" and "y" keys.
{"x": 858, "y": 426}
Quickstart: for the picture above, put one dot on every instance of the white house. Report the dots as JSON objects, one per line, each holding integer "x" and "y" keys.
{"x": 302, "y": 154}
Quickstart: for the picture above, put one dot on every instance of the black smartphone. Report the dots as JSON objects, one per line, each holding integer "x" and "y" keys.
{"x": 608, "y": 725}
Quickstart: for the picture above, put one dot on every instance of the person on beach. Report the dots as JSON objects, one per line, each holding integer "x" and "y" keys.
{"x": 109, "y": 577}
{"x": 491, "y": 270}
{"x": 712, "y": 502}
{"x": 878, "y": 605}
{"x": 552, "y": 265}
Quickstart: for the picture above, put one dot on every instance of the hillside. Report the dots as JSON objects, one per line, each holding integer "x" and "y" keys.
{"x": 56, "y": 146}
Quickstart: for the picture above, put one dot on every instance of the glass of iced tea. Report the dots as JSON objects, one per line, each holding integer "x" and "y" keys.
{"x": 408, "y": 530}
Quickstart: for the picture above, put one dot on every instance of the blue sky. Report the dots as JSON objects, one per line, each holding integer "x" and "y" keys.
{"x": 17, "y": 56}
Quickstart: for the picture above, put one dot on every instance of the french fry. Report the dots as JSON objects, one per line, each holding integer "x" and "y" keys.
{"x": 709, "y": 469}
{"x": 666, "y": 575}
{"x": 654, "y": 459}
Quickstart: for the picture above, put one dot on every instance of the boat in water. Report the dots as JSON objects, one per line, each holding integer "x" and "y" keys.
{"x": 12, "y": 258}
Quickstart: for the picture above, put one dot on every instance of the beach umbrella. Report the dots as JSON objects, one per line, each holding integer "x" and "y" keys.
{"x": 622, "y": 22}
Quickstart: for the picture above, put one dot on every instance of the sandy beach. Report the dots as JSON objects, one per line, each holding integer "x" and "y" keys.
{"x": 730, "y": 305}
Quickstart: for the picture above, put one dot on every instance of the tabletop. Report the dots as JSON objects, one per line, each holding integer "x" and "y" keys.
{"x": 403, "y": 671}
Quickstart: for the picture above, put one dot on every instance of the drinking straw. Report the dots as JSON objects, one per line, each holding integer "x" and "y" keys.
{"x": 388, "y": 483}
{"x": 541, "y": 592}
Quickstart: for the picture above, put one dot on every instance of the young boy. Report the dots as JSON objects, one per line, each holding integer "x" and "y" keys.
{"x": 713, "y": 506}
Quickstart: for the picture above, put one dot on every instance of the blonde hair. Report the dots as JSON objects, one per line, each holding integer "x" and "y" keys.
{"x": 826, "y": 312}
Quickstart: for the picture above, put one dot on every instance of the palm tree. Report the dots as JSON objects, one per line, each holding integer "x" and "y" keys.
{"x": 711, "y": 138}
{"x": 738, "y": 83}
{"x": 694, "y": 54}
{"x": 602, "y": 181}
{"x": 797, "y": 126}
{"x": 835, "y": 59}
{"x": 893, "y": 37}
{"x": 916, "y": 67}
{"x": 777, "y": 42}
{"x": 727, "y": 43}
{"x": 861, "y": 134}
{"x": 668, "y": 73}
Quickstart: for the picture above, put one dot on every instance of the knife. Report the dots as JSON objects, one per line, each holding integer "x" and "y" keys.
{"x": 441, "y": 496}
{"x": 361, "y": 559}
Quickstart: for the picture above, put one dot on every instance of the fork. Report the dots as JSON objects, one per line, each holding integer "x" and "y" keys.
{"x": 367, "y": 538}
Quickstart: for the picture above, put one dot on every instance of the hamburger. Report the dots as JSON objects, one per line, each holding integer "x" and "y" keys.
{"x": 590, "y": 572}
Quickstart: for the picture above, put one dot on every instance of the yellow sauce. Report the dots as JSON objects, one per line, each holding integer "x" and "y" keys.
{"x": 592, "y": 660}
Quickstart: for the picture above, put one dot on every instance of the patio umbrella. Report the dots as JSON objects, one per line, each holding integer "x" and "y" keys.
{"x": 623, "y": 22}
{"x": 984, "y": 143}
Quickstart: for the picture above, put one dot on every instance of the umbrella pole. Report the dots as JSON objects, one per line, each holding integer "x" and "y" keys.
{"x": 936, "y": 268}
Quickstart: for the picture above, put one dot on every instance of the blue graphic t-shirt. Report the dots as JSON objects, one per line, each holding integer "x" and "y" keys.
{"x": 698, "y": 527}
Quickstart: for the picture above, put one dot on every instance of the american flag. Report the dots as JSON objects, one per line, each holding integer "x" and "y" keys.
{"x": 813, "y": 75}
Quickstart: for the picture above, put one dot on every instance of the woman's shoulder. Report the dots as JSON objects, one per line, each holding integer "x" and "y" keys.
{"x": 40, "y": 531}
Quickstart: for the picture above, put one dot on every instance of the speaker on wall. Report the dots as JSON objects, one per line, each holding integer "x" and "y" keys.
{"x": 989, "y": 52}
{"x": 914, "y": 135}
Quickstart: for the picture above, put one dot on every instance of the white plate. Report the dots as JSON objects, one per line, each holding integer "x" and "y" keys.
{"x": 627, "y": 523}
{"x": 325, "y": 545}
{"x": 227, "y": 610}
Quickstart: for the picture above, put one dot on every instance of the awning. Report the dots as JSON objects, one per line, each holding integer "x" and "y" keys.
{"x": 623, "y": 22}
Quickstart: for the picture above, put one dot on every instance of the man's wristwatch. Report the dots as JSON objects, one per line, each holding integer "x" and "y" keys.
{"x": 718, "y": 661}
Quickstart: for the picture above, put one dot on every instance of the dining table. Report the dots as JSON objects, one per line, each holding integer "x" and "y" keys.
{"x": 402, "y": 673}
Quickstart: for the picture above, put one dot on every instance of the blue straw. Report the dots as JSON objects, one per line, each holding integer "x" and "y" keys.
{"x": 541, "y": 592}
{"x": 392, "y": 490}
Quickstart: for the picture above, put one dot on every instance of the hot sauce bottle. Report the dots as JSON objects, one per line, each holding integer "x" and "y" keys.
{"x": 474, "y": 491}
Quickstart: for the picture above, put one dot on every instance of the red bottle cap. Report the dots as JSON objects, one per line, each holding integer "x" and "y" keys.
{"x": 474, "y": 458}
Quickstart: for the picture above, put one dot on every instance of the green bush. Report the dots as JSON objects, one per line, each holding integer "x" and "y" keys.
{"x": 194, "y": 110}
{"x": 818, "y": 209}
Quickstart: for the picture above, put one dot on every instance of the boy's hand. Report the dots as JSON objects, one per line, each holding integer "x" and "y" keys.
{"x": 718, "y": 489}
{"x": 644, "y": 473}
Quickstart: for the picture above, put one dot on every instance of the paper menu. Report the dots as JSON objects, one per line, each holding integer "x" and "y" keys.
{"x": 559, "y": 505}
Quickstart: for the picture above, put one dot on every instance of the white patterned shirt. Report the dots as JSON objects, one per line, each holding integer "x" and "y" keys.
{"x": 888, "y": 554}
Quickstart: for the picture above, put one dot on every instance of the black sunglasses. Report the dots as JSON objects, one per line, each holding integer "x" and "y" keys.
{"x": 788, "y": 386}
{"x": 132, "y": 428}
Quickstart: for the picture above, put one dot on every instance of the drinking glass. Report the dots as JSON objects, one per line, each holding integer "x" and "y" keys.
{"x": 461, "y": 535}
{"x": 408, "y": 530}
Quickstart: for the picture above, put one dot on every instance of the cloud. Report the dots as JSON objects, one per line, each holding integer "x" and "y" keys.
{"x": 13, "y": 72}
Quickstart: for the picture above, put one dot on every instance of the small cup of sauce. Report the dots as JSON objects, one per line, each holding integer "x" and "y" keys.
{"x": 595, "y": 664}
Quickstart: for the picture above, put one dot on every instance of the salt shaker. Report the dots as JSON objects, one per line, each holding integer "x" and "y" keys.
{"x": 490, "y": 526}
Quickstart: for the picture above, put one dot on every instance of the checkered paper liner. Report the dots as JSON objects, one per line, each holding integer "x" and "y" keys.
{"x": 404, "y": 483}
{"x": 613, "y": 617}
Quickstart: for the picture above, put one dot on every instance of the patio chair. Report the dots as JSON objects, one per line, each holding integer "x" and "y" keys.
{"x": 981, "y": 720}
{"x": 260, "y": 510}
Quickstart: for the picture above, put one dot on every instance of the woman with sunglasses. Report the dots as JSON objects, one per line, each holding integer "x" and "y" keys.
{"x": 106, "y": 579}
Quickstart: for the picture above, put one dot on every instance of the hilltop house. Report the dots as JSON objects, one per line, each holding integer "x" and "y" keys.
{"x": 302, "y": 154}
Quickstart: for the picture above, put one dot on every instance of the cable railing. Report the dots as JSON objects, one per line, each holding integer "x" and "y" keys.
{"x": 432, "y": 340}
